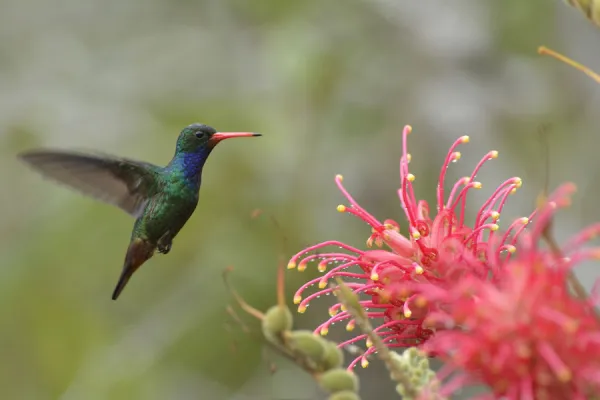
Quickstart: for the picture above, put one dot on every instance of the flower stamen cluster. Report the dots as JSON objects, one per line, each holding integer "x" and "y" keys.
{"x": 438, "y": 251}
{"x": 524, "y": 335}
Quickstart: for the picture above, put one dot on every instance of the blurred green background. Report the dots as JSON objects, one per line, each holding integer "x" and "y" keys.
{"x": 330, "y": 84}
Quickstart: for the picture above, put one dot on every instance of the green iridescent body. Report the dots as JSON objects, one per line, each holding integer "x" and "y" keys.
{"x": 162, "y": 199}
{"x": 168, "y": 210}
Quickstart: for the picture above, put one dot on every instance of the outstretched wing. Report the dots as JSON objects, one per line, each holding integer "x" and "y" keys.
{"x": 121, "y": 182}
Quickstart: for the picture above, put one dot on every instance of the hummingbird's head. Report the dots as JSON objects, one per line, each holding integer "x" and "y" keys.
{"x": 196, "y": 136}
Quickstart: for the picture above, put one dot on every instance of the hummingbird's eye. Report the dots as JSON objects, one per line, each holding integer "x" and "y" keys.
{"x": 201, "y": 135}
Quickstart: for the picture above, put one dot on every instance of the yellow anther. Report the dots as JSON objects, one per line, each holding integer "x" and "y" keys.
{"x": 495, "y": 215}
{"x": 464, "y": 139}
{"x": 494, "y": 227}
{"x": 374, "y": 276}
{"x": 343, "y": 308}
{"x": 291, "y": 265}
{"x": 513, "y": 190}
{"x": 364, "y": 363}
{"x": 324, "y": 331}
{"x": 407, "y": 313}
{"x": 321, "y": 267}
{"x": 408, "y": 157}
{"x": 421, "y": 301}
{"x": 571, "y": 326}
{"x": 564, "y": 375}
{"x": 494, "y": 154}
{"x": 350, "y": 326}
{"x": 518, "y": 182}
{"x": 370, "y": 242}
{"x": 322, "y": 283}
{"x": 511, "y": 249}
{"x": 465, "y": 180}
{"x": 368, "y": 343}
{"x": 477, "y": 185}
{"x": 297, "y": 299}
{"x": 333, "y": 311}
{"x": 524, "y": 220}
{"x": 339, "y": 177}
{"x": 407, "y": 129}
{"x": 410, "y": 177}
{"x": 415, "y": 235}
{"x": 419, "y": 270}
{"x": 302, "y": 266}
{"x": 384, "y": 297}
{"x": 341, "y": 208}
{"x": 302, "y": 309}
{"x": 456, "y": 155}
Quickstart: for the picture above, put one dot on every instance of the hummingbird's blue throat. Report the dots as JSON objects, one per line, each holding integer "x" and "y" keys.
{"x": 190, "y": 164}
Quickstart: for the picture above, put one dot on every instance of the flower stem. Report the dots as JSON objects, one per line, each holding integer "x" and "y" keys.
{"x": 242, "y": 303}
{"x": 349, "y": 299}
{"x": 543, "y": 50}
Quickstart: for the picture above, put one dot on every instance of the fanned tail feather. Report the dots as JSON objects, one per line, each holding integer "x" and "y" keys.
{"x": 138, "y": 252}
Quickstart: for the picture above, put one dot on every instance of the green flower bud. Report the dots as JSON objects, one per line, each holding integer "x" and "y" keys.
{"x": 405, "y": 368}
{"x": 423, "y": 364}
{"x": 401, "y": 391}
{"x": 413, "y": 364}
{"x": 334, "y": 357}
{"x": 430, "y": 374}
{"x": 415, "y": 381}
{"x": 344, "y": 395}
{"x": 276, "y": 320}
{"x": 307, "y": 344}
{"x": 418, "y": 373}
{"x": 338, "y": 380}
{"x": 413, "y": 355}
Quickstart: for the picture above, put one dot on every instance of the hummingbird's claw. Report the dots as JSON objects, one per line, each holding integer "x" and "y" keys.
{"x": 164, "y": 248}
{"x": 164, "y": 243}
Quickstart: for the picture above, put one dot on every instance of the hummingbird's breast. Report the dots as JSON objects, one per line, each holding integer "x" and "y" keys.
{"x": 169, "y": 210}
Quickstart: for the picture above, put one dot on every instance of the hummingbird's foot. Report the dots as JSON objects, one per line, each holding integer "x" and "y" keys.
{"x": 164, "y": 248}
{"x": 164, "y": 243}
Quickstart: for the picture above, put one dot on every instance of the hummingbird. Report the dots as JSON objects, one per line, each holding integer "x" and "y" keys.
{"x": 161, "y": 199}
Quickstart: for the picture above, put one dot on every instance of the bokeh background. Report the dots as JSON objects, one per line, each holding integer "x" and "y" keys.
{"x": 329, "y": 83}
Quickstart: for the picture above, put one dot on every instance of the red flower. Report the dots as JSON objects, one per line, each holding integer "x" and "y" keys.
{"x": 525, "y": 335}
{"x": 439, "y": 251}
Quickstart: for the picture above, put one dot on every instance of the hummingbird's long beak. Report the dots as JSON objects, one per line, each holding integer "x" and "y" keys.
{"x": 217, "y": 137}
